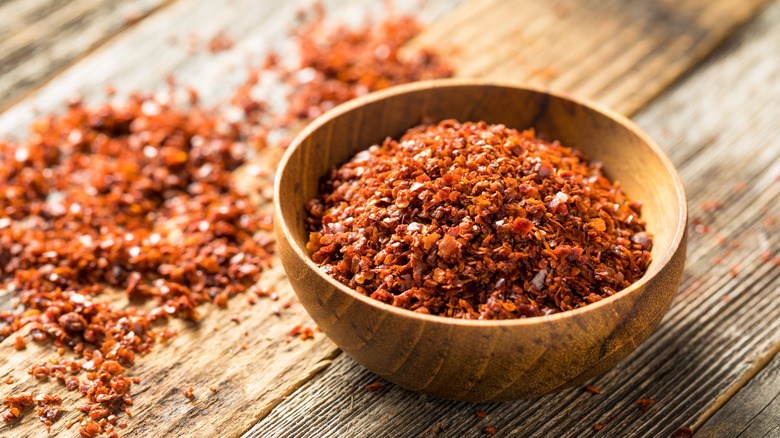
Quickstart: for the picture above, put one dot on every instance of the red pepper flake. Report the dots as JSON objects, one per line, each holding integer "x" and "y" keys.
{"x": 213, "y": 388}
{"x": 477, "y": 221}
{"x": 8, "y": 380}
{"x": 766, "y": 256}
{"x": 683, "y": 432}
{"x": 188, "y": 392}
{"x": 599, "y": 426}
{"x": 243, "y": 346}
{"x": 776, "y": 260}
{"x": 702, "y": 228}
{"x": 135, "y": 379}
{"x": 644, "y": 403}
{"x": 717, "y": 260}
{"x": 220, "y": 42}
{"x": 19, "y": 343}
{"x": 17, "y": 404}
{"x": 735, "y": 244}
{"x": 740, "y": 187}
{"x": 376, "y": 386}
{"x": 296, "y": 330}
{"x": 235, "y": 319}
{"x": 489, "y": 430}
{"x": 481, "y": 414}
{"x": 286, "y": 305}
{"x": 710, "y": 205}
{"x": 734, "y": 270}
{"x": 721, "y": 239}
{"x": 592, "y": 389}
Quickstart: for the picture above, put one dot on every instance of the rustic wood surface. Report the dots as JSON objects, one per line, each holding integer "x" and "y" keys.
{"x": 718, "y": 126}
{"x": 40, "y": 37}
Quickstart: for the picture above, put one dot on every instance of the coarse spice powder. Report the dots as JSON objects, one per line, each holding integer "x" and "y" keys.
{"x": 477, "y": 221}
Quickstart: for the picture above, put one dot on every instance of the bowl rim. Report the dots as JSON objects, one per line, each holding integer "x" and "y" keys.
{"x": 301, "y": 253}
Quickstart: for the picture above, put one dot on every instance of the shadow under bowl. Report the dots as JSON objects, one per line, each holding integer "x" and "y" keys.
{"x": 470, "y": 359}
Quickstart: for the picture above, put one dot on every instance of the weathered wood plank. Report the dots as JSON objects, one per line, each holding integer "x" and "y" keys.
{"x": 40, "y": 37}
{"x": 255, "y": 380}
{"x": 619, "y": 53}
{"x": 718, "y": 128}
{"x": 753, "y": 412}
{"x": 248, "y": 382}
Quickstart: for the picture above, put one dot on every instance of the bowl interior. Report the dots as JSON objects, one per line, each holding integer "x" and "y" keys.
{"x": 629, "y": 156}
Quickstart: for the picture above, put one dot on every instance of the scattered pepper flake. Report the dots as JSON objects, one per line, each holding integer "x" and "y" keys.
{"x": 683, "y": 432}
{"x": 376, "y": 386}
{"x": 599, "y": 426}
{"x": 489, "y": 430}
{"x": 592, "y": 389}
{"x": 734, "y": 270}
{"x": 19, "y": 343}
{"x": 481, "y": 414}
{"x": 188, "y": 392}
{"x": 644, "y": 403}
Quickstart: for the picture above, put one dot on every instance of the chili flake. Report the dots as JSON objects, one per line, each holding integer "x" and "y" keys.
{"x": 477, "y": 221}
{"x": 489, "y": 430}
{"x": 599, "y": 426}
{"x": 376, "y": 386}
{"x": 19, "y": 343}
{"x": 188, "y": 392}
{"x": 683, "y": 432}
{"x": 644, "y": 403}
{"x": 481, "y": 414}
{"x": 592, "y": 389}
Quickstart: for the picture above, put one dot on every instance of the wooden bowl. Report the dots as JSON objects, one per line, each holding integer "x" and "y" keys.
{"x": 484, "y": 360}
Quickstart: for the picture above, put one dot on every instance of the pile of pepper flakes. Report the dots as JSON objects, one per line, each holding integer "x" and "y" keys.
{"x": 139, "y": 199}
{"x": 477, "y": 221}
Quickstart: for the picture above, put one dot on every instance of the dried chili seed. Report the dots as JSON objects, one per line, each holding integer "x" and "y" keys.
{"x": 534, "y": 228}
{"x": 374, "y": 387}
{"x": 644, "y": 403}
{"x": 480, "y": 413}
{"x": 683, "y": 432}
{"x": 489, "y": 430}
{"x": 592, "y": 389}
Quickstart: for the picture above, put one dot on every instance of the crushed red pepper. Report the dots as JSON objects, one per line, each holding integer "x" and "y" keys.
{"x": 480, "y": 413}
{"x": 17, "y": 404}
{"x": 683, "y": 432}
{"x": 644, "y": 403}
{"x": 374, "y": 387}
{"x": 340, "y": 63}
{"x": 477, "y": 221}
{"x": 592, "y": 389}
{"x": 490, "y": 430}
{"x": 137, "y": 198}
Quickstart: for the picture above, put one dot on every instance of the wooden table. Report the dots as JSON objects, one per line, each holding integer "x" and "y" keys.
{"x": 702, "y": 77}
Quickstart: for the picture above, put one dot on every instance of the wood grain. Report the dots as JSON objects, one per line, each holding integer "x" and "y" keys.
{"x": 38, "y": 38}
{"x": 753, "y": 412}
{"x": 618, "y": 53}
{"x": 720, "y": 329}
{"x": 142, "y": 56}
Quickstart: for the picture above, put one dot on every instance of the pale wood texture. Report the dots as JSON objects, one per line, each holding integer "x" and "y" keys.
{"x": 483, "y": 360}
{"x": 142, "y": 56}
{"x": 753, "y": 412}
{"x": 619, "y": 53}
{"x": 719, "y": 127}
{"x": 40, "y": 37}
